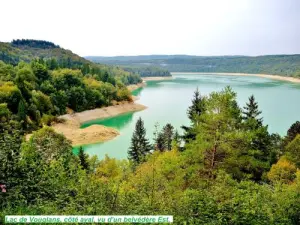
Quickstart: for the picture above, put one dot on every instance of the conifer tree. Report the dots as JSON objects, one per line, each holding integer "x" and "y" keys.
{"x": 194, "y": 111}
{"x": 83, "y": 159}
{"x": 251, "y": 111}
{"x": 168, "y": 133}
{"x": 197, "y": 107}
{"x": 140, "y": 145}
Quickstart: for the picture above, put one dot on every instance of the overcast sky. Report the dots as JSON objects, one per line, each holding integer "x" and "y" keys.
{"x": 140, "y": 27}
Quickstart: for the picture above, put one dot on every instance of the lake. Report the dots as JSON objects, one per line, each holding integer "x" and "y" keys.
{"x": 168, "y": 100}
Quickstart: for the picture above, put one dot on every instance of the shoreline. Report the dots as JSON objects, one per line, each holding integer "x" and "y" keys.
{"x": 156, "y": 78}
{"x": 133, "y": 87}
{"x": 275, "y": 77}
{"x": 94, "y": 133}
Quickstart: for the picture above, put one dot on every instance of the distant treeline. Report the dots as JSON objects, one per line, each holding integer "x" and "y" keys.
{"x": 147, "y": 71}
{"x": 285, "y": 65}
{"x": 34, "y": 43}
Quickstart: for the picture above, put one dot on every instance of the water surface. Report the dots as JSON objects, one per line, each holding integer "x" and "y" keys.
{"x": 168, "y": 100}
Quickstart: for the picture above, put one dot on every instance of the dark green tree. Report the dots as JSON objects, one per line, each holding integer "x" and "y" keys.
{"x": 140, "y": 145}
{"x": 22, "y": 112}
{"x": 168, "y": 135}
{"x": 83, "y": 158}
{"x": 293, "y": 131}
{"x": 194, "y": 111}
{"x": 40, "y": 71}
{"x": 251, "y": 111}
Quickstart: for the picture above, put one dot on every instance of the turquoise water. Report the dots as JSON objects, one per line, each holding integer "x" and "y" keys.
{"x": 168, "y": 100}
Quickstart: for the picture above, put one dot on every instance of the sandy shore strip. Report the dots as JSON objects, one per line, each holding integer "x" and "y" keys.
{"x": 156, "y": 78}
{"x": 89, "y": 135}
{"x": 133, "y": 87}
{"x": 275, "y": 77}
{"x": 70, "y": 128}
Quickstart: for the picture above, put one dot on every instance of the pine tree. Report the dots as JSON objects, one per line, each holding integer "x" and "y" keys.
{"x": 251, "y": 111}
{"x": 194, "y": 111}
{"x": 168, "y": 133}
{"x": 140, "y": 145}
{"x": 197, "y": 107}
{"x": 83, "y": 159}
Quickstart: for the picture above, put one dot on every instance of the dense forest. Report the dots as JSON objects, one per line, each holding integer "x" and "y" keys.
{"x": 225, "y": 169}
{"x": 35, "y": 93}
{"x": 33, "y": 43}
{"x": 285, "y": 65}
{"x": 28, "y": 50}
{"x": 147, "y": 71}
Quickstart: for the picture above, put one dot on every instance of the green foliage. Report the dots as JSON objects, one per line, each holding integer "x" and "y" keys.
{"x": 163, "y": 139}
{"x": 22, "y": 113}
{"x": 53, "y": 57}
{"x": 146, "y": 71}
{"x": 49, "y": 145}
{"x": 34, "y": 43}
{"x": 35, "y": 93}
{"x": 10, "y": 94}
{"x": 293, "y": 131}
{"x": 140, "y": 146}
{"x": 292, "y": 151}
{"x": 285, "y": 65}
{"x": 251, "y": 111}
{"x": 194, "y": 111}
{"x": 83, "y": 158}
{"x": 218, "y": 179}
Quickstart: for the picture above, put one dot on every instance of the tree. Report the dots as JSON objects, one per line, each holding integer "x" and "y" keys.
{"x": 292, "y": 151}
{"x": 163, "y": 139}
{"x": 25, "y": 80}
{"x": 83, "y": 158}
{"x": 168, "y": 134}
{"x": 77, "y": 100}
{"x": 197, "y": 107}
{"x": 293, "y": 131}
{"x": 251, "y": 111}
{"x": 140, "y": 146}
{"x": 194, "y": 112}
{"x": 216, "y": 131}
{"x": 11, "y": 136}
{"x": 22, "y": 112}
{"x": 49, "y": 145}
{"x": 60, "y": 101}
{"x": 261, "y": 140}
{"x": 40, "y": 71}
{"x": 283, "y": 171}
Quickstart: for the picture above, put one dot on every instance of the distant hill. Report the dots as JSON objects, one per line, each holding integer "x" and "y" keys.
{"x": 285, "y": 65}
{"x": 26, "y": 50}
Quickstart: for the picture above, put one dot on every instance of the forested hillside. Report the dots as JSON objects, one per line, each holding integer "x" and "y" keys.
{"x": 226, "y": 169}
{"x": 36, "y": 86}
{"x": 56, "y": 57}
{"x": 285, "y": 65}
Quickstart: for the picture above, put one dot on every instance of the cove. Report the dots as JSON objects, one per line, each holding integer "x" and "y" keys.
{"x": 168, "y": 100}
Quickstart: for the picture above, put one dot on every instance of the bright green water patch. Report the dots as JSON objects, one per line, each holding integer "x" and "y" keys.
{"x": 168, "y": 100}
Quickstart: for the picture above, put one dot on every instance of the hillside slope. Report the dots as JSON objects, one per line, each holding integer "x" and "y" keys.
{"x": 12, "y": 53}
{"x": 285, "y": 65}
{"x": 27, "y": 50}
